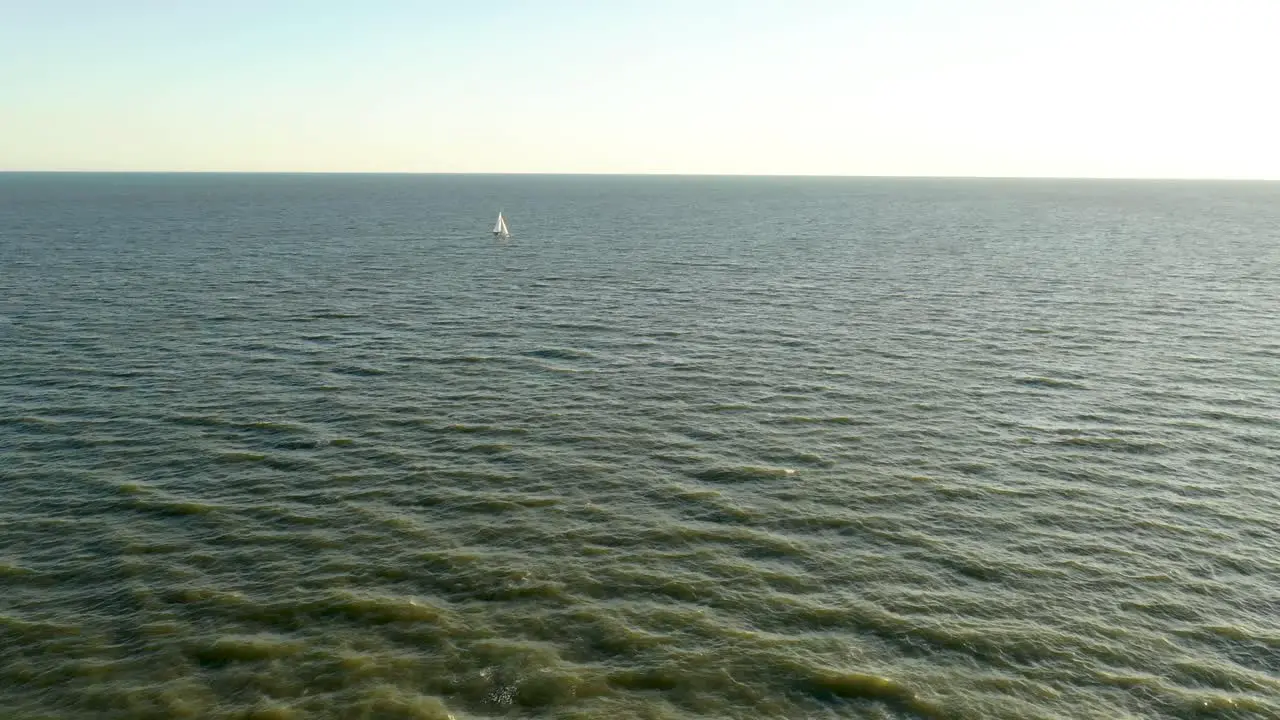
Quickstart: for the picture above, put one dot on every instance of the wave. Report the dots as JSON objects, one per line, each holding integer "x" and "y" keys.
{"x": 1053, "y": 383}
{"x": 743, "y": 473}
{"x": 1114, "y": 444}
{"x": 820, "y": 420}
{"x": 561, "y": 354}
{"x": 469, "y": 429}
{"x": 244, "y": 648}
{"x": 359, "y": 370}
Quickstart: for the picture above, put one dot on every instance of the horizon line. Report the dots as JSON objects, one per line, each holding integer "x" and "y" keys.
{"x": 640, "y": 174}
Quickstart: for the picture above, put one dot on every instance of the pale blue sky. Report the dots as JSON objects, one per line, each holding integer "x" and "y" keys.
{"x": 1094, "y": 88}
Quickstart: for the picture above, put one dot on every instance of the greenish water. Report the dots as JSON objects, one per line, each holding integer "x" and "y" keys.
{"x": 319, "y": 447}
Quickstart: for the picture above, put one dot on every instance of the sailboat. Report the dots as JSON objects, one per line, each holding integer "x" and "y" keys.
{"x": 500, "y": 227}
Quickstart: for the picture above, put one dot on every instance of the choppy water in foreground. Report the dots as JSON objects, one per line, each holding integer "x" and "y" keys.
{"x": 319, "y": 447}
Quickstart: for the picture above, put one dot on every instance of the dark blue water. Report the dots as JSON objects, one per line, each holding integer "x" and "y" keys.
{"x": 281, "y": 446}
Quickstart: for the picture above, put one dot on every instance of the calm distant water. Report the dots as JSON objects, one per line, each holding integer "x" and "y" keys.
{"x": 321, "y": 447}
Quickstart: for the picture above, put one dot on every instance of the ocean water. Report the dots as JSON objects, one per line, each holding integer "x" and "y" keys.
{"x": 320, "y": 447}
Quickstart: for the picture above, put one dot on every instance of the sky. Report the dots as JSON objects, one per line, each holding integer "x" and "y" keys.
{"x": 993, "y": 88}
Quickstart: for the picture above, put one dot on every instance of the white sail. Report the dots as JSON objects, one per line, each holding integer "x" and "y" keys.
{"x": 500, "y": 227}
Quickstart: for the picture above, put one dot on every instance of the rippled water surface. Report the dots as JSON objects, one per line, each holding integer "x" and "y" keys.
{"x": 320, "y": 447}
